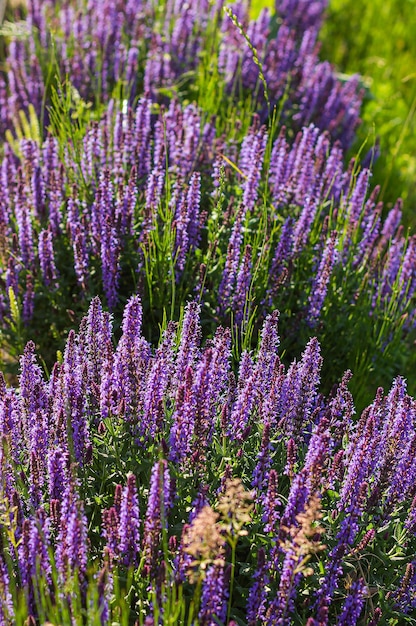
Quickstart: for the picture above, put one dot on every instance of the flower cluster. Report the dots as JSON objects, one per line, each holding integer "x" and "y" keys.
{"x": 349, "y": 470}
{"x": 142, "y": 47}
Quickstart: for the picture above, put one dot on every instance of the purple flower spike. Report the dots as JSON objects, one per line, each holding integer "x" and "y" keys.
{"x": 12, "y": 276}
{"x": 58, "y": 464}
{"x": 158, "y": 381}
{"x": 40, "y": 545}
{"x": 251, "y": 162}
{"x": 244, "y": 406}
{"x": 187, "y": 221}
{"x": 210, "y": 387}
{"x": 353, "y": 605}
{"x": 282, "y": 606}
{"x": 46, "y": 259}
{"x": 280, "y": 259}
{"x": 97, "y": 345}
{"x": 159, "y": 503}
{"x": 214, "y": 597}
{"x": 183, "y": 419}
{"x": 241, "y": 299}
{"x": 303, "y": 226}
{"x": 271, "y": 504}
{"x": 231, "y": 265}
{"x": 105, "y": 590}
{"x": 257, "y": 599}
{"x": 6, "y": 600}
{"x": 188, "y": 350}
{"x": 28, "y": 300}
{"x": 344, "y": 541}
{"x": 321, "y": 280}
{"x": 404, "y": 596}
{"x": 25, "y": 229}
{"x": 299, "y": 390}
{"x": 130, "y": 524}
{"x": 131, "y": 362}
{"x": 302, "y": 14}
{"x": 361, "y": 457}
{"x": 356, "y": 201}
{"x": 79, "y": 244}
{"x": 71, "y": 545}
{"x": 267, "y": 357}
{"x": 35, "y": 401}
{"x": 111, "y": 531}
{"x": 75, "y": 394}
{"x": 263, "y": 459}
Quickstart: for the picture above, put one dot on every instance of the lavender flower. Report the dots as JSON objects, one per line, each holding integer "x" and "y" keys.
{"x": 183, "y": 419}
{"x": 187, "y": 221}
{"x": 28, "y": 300}
{"x": 356, "y": 201}
{"x": 130, "y": 523}
{"x": 188, "y": 350}
{"x": 353, "y": 605}
{"x": 299, "y": 390}
{"x": 34, "y": 400}
{"x": 214, "y": 597}
{"x": 25, "y": 229}
{"x": 105, "y": 589}
{"x": 320, "y": 282}
{"x": 267, "y": 357}
{"x": 301, "y": 541}
{"x": 241, "y": 299}
{"x": 280, "y": 259}
{"x": 404, "y": 596}
{"x": 131, "y": 362}
{"x": 344, "y": 540}
{"x": 111, "y": 531}
{"x": 156, "y": 519}
{"x": 361, "y": 461}
{"x": 257, "y": 599}
{"x": 158, "y": 380}
{"x": 46, "y": 258}
{"x": 58, "y": 463}
{"x": 282, "y": 605}
{"x": 231, "y": 264}
{"x": 74, "y": 390}
{"x": 304, "y": 224}
{"x": 301, "y": 14}
{"x": 244, "y": 405}
{"x": 250, "y": 163}
{"x": 198, "y": 400}
{"x": 71, "y": 546}
{"x": 6, "y": 600}
{"x": 263, "y": 459}
{"x": 97, "y": 345}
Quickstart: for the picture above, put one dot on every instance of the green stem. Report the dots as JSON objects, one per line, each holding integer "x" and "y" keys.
{"x": 195, "y": 603}
{"x": 233, "y": 544}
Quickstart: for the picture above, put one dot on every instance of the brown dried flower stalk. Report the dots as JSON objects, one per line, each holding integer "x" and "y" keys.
{"x": 305, "y": 539}
{"x": 235, "y": 506}
{"x": 204, "y": 542}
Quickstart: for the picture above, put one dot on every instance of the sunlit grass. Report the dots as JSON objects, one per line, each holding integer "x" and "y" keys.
{"x": 377, "y": 39}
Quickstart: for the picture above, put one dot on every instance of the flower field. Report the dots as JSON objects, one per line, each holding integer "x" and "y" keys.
{"x": 207, "y": 323}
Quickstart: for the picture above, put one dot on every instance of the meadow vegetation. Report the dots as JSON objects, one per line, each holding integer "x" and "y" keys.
{"x": 207, "y": 320}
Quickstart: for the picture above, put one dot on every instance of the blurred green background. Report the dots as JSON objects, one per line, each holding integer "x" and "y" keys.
{"x": 378, "y": 40}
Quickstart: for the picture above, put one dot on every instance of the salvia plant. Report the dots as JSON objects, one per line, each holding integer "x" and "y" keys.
{"x": 157, "y": 486}
{"x": 175, "y": 185}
